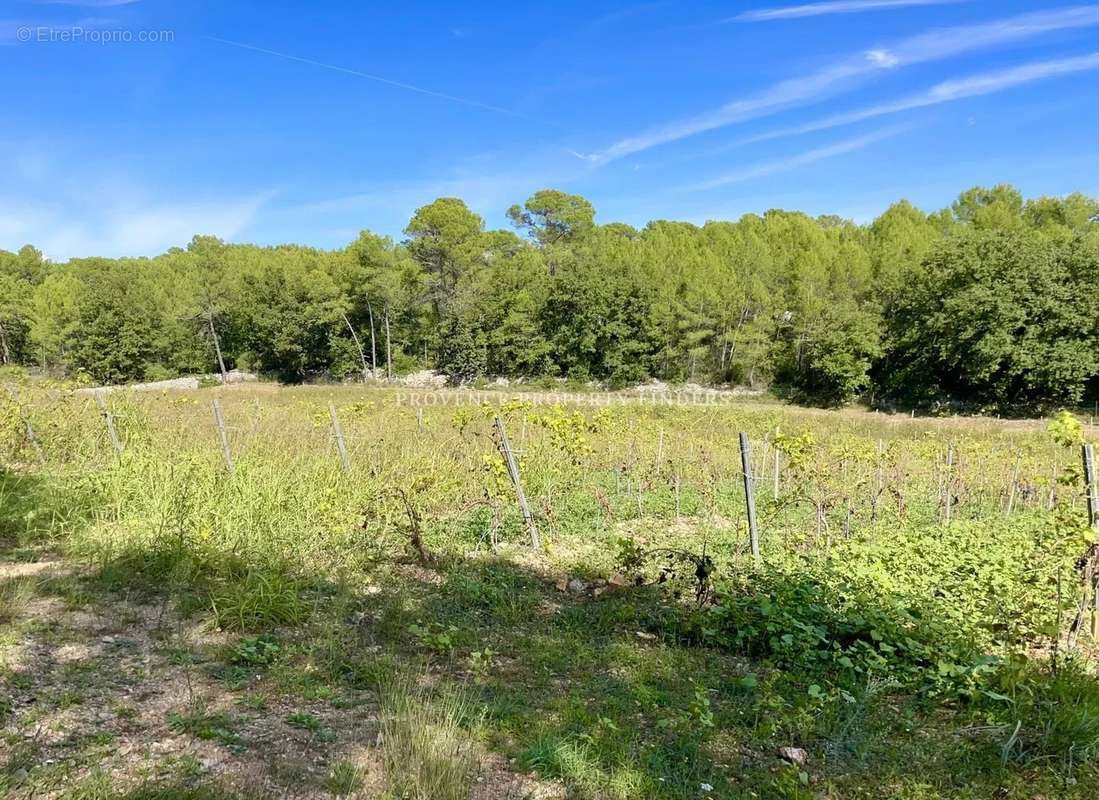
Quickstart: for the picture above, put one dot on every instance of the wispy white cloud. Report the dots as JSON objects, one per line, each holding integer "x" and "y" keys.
{"x": 764, "y": 168}
{"x": 488, "y": 183}
{"x": 69, "y": 209}
{"x": 89, "y": 3}
{"x": 486, "y": 192}
{"x": 945, "y": 92}
{"x": 774, "y": 98}
{"x": 835, "y": 7}
{"x": 489, "y": 190}
{"x": 63, "y": 231}
{"x": 614, "y": 17}
{"x": 947, "y": 42}
{"x": 933, "y": 45}
{"x": 882, "y": 58}
{"x": 370, "y": 76}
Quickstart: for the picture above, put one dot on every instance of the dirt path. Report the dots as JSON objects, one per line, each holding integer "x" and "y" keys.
{"x": 124, "y": 692}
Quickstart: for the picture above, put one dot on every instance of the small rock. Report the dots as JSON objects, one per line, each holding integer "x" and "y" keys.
{"x": 617, "y": 581}
{"x": 793, "y": 755}
{"x": 646, "y": 635}
{"x": 598, "y": 590}
{"x": 20, "y": 775}
{"x": 576, "y": 586}
{"x": 562, "y": 584}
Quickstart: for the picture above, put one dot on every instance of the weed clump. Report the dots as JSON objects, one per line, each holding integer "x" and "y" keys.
{"x": 427, "y": 749}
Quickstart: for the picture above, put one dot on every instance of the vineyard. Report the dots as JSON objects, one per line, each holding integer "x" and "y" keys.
{"x": 371, "y": 592}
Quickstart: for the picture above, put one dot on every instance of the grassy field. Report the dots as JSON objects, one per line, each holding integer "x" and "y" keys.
{"x": 176, "y": 624}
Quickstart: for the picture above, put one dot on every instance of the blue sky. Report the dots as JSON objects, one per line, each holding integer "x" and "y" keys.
{"x": 274, "y": 122}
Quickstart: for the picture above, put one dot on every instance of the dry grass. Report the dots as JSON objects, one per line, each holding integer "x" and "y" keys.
{"x": 15, "y": 595}
{"x": 427, "y": 752}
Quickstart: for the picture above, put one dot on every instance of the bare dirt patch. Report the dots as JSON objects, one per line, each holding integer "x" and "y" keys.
{"x": 126, "y": 691}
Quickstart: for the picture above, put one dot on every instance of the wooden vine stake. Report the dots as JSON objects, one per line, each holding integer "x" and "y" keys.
{"x": 1092, "y": 488}
{"x": 948, "y": 506}
{"x": 879, "y": 482}
{"x": 108, "y": 420}
{"x": 1093, "y": 520}
{"x": 1090, "y": 560}
{"x": 1014, "y": 488}
{"x": 776, "y": 466}
{"x": 337, "y": 431}
{"x": 749, "y": 493}
{"x": 513, "y": 473}
{"x": 219, "y": 420}
{"x": 31, "y": 437}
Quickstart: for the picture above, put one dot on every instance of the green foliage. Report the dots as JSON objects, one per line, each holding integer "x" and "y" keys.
{"x": 599, "y": 325}
{"x": 435, "y": 636}
{"x": 948, "y": 612}
{"x": 19, "y": 272}
{"x": 444, "y": 239}
{"x": 989, "y": 302}
{"x": 1004, "y": 318}
{"x": 308, "y": 722}
{"x": 257, "y": 599}
{"x": 118, "y": 334}
{"x": 552, "y": 217}
{"x": 1054, "y": 721}
{"x": 200, "y": 723}
{"x": 256, "y": 651}
{"x": 1066, "y": 429}
{"x": 998, "y": 208}
{"x": 463, "y": 352}
{"x": 909, "y": 657}
{"x": 833, "y": 366}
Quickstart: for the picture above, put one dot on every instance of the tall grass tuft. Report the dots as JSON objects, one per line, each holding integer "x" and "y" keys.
{"x": 426, "y": 751}
{"x": 15, "y": 595}
{"x": 1058, "y": 723}
{"x": 259, "y": 599}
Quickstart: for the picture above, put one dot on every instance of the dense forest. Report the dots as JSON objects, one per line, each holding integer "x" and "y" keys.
{"x": 991, "y": 303}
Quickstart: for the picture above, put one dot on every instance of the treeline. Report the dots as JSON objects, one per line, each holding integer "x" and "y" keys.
{"x": 993, "y": 302}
